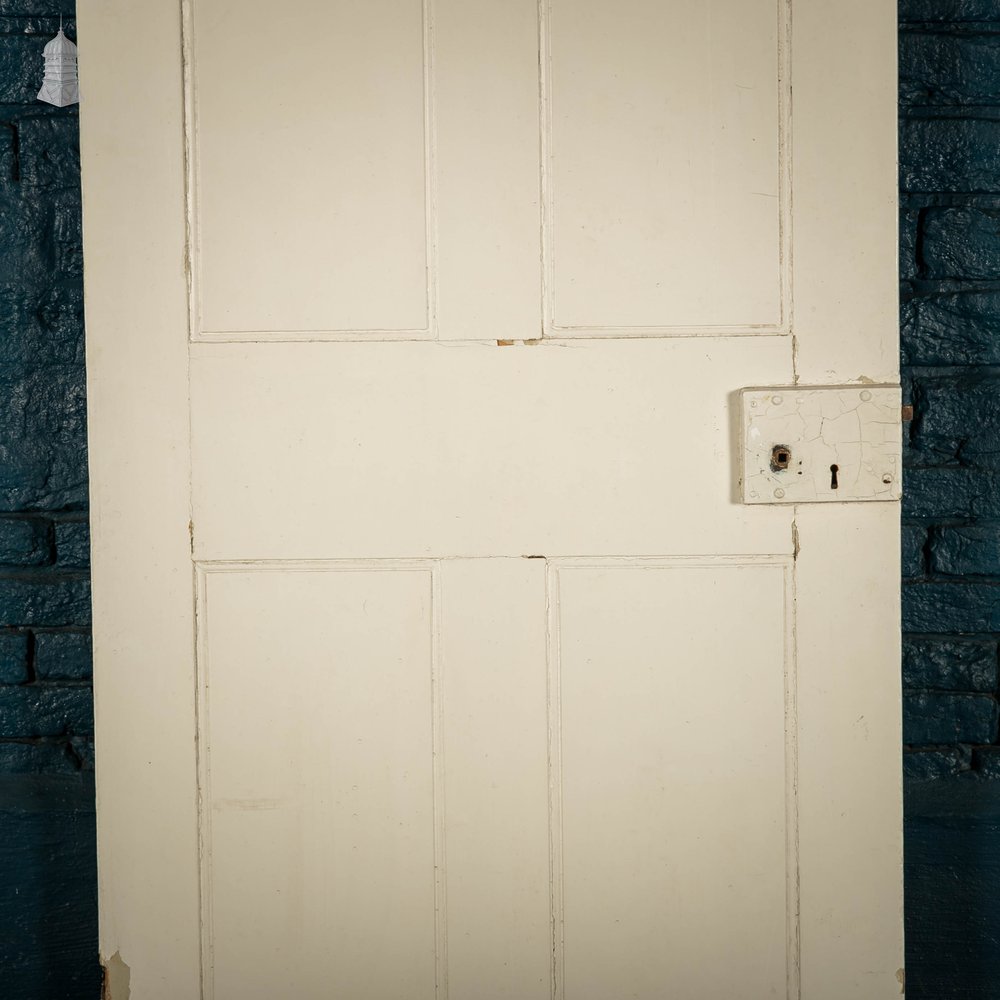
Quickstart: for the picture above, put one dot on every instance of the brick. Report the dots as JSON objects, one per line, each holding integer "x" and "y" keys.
{"x": 960, "y": 243}
{"x": 911, "y": 457}
{"x": 945, "y": 718}
{"x": 952, "y": 69}
{"x": 951, "y": 492}
{"x": 9, "y": 166}
{"x": 26, "y": 252}
{"x": 941, "y": 762}
{"x": 949, "y": 10}
{"x": 42, "y": 598}
{"x": 43, "y": 438}
{"x": 37, "y": 758}
{"x": 43, "y": 710}
{"x": 958, "y": 420}
{"x": 972, "y": 550}
{"x": 67, "y": 236}
{"x": 50, "y": 151}
{"x": 43, "y": 245}
{"x": 25, "y": 8}
{"x": 63, "y": 656}
{"x": 949, "y": 154}
{"x": 951, "y": 608}
{"x": 913, "y": 539}
{"x": 24, "y": 541}
{"x": 13, "y": 657}
{"x": 21, "y": 68}
{"x": 950, "y": 664}
{"x": 909, "y": 219}
{"x": 41, "y": 323}
{"x": 33, "y": 23}
{"x": 82, "y": 749}
{"x": 986, "y": 761}
{"x": 72, "y": 543}
{"x": 951, "y": 328}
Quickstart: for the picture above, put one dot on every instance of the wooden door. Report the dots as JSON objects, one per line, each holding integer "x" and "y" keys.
{"x": 436, "y": 654}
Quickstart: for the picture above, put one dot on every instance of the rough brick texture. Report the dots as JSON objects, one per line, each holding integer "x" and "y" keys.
{"x": 913, "y": 544}
{"x": 938, "y": 718}
{"x": 945, "y": 154}
{"x": 44, "y": 548}
{"x": 942, "y": 326}
{"x": 24, "y": 542}
{"x": 62, "y": 656}
{"x": 50, "y": 710}
{"x": 950, "y": 665}
{"x": 48, "y": 944}
{"x": 935, "y": 493}
{"x": 966, "y": 550}
{"x": 957, "y": 420}
{"x": 960, "y": 243}
{"x": 952, "y": 12}
{"x": 72, "y": 540}
{"x": 956, "y": 69}
{"x": 928, "y": 764}
{"x": 949, "y": 89}
{"x": 960, "y": 606}
{"x": 949, "y": 131}
{"x": 14, "y": 658}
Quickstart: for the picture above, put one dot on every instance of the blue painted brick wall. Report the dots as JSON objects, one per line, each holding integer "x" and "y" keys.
{"x": 949, "y": 88}
{"x": 48, "y": 943}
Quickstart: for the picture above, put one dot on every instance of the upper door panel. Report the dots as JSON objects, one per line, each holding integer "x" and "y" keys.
{"x": 664, "y": 196}
{"x": 467, "y": 170}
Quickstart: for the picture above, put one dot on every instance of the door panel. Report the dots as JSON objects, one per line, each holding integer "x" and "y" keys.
{"x": 676, "y": 824}
{"x": 320, "y": 787}
{"x": 325, "y": 228}
{"x": 684, "y": 103}
{"x": 363, "y": 450}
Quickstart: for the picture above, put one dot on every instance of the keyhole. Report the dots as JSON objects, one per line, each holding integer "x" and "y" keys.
{"x": 834, "y": 469}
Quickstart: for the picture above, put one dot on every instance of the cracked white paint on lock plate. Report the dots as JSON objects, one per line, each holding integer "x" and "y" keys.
{"x": 833, "y": 443}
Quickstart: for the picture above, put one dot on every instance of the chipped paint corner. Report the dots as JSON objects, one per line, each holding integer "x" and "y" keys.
{"x": 117, "y": 978}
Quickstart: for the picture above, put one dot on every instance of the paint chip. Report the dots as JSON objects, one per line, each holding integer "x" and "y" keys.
{"x": 117, "y": 977}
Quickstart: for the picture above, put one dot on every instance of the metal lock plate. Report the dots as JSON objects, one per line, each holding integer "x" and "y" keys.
{"x": 816, "y": 445}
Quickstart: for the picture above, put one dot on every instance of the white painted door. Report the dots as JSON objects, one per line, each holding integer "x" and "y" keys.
{"x": 436, "y": 655}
